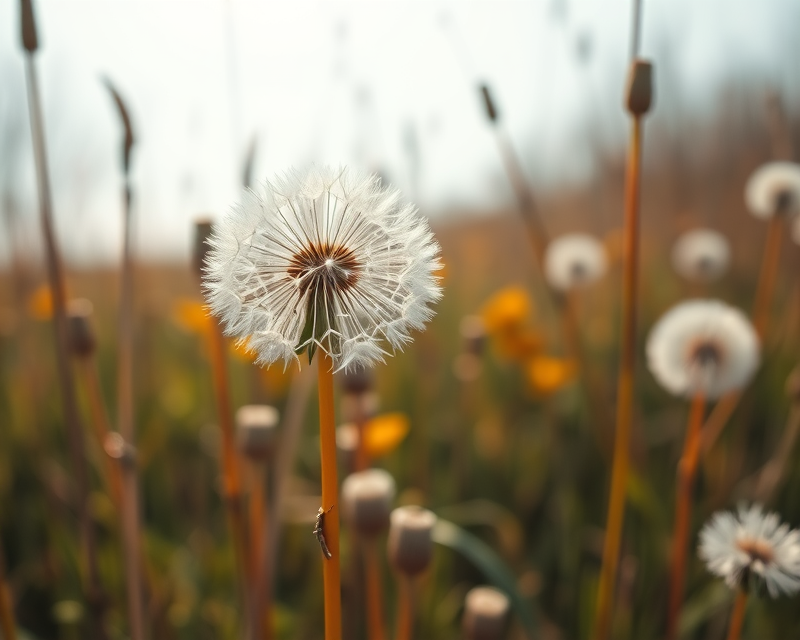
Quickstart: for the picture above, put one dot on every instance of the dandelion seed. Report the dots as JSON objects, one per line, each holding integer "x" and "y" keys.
{"x": 323, "y": 259}
{"x": 774, "y": 189}
{"x": 574, "y": 260}
{"x": 703, "y": 347}
{"x": 701, "y": 255}
{"x": 752, "y": 545}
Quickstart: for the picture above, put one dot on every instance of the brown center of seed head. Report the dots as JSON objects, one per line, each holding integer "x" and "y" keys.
{"x": 705, "y": 354}
{"x": 333, "y": 267}
{"x": 578, "y": 271}
{"x": 784, "y": 202}
{"x": 758, "y": 550}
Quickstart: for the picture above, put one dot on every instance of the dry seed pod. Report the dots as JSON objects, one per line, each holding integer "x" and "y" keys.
{"x": 358, "y": 381}
{"x": 29, "y": 38}
{"x": 639, "y": 92}
{"x": 256, "y": 430}
{"x": 367, "y": 498}
{"x": 79, "y": 328}
{"x": 485, "y": 614}
{"x": 410, "y": 543}
{"x": 473, "y": 332}
{"x": 202, "y": 231}
{"x": 491, "y": 111}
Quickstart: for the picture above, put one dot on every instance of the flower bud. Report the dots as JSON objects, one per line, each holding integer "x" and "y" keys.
{"x": 473, "y": 333}
{"x": 256, "y": 430}
{"x": 639, "y": 92}
{"x": 202, "y": 231}
{"x": 80, "y": 334}
{"x": 367, "y": 501}
{"x": 410, "y": 542}
{"x": 485, "y": 614}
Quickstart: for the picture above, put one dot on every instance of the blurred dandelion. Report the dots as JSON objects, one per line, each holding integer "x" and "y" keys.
{"x": 574, "y": 260}
{"x": 323, "y": 259}
{"x": 774, "y": 189}
{"x": 703, "y": 347}
{"x": 701, "y": 255}
{"x": 752, "y": 545}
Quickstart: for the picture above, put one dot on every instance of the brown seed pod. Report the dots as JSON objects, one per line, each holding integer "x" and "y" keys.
{"x": 367, "y": 501}
{"x": 81, "y": 337}
{"x": 256, "y": 430}
{"x": 410, "y": 543}
{"x": 639, "y": 91}
{"x": 485, "y": 614}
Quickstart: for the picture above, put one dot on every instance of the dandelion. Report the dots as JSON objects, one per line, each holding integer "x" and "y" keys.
{"x": 774, "y": 190}
{"x": 752, "y": 545}
{"x": 573, "y": 261}
{"x": 703, "y": 347}
{"x": 323, "y": 259}
{"x": 701, "y": 255}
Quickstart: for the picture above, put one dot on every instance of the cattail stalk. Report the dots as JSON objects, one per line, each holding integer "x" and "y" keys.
{"x": 737, "y": 615}
{"x": 639, "y": 98}
{"x": 687, "y": 471}
{"x": 331, "y": 570}
{"x": 94, "y": 592}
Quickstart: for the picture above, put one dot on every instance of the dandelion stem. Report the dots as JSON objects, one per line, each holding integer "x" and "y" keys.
{"x": 405, "y": 608}
{"x": 687, "y": 469}
{"x": 737, "y": 615}
{"x": 374, "y": 586}
{"x": 619, "y": 472}
{"x": 261, "y": 613}
{"x": 232, "y": 487}
{"x": 331, "y": 571}
{"x": 770, "y": 477}
{"x": 94, "y": 591}
{"x": 724, "y": 409}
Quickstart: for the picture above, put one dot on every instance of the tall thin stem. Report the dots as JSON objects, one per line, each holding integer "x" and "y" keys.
{"x": 374, "y": 586}
{"x": 687, "y": 470}
{"x": 619, "y": 472}
{"x": 405, "y": 608}
{"x": 7, "y": 623}
{"x": 231, "y": 481}
{"x": 737, "y": 615}
{"x": 258, "y": 511}
{"x": 94, "y": 591}
{"x": 331, "y": 570}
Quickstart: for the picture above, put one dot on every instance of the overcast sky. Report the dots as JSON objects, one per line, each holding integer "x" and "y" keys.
{"x": 374, "y": 84}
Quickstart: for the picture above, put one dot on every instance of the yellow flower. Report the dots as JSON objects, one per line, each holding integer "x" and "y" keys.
{"x": 519, "y": 344}
{"x": 546, "y": 374}
{"x": 40, "y": 303}
{"x": 384, "y": 433}
{"x": 507, "y": 309}
{"x": 192, "y": 316}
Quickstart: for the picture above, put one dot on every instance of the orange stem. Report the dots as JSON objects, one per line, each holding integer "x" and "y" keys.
{"x": 737, "y": 615}
{"x": 232, "y": 486}
{"x": 7, "y": 624}
{"x": 374, "y": 591}
{"x": 261, "y": 590}
{"x": 619, "y": 472}
{"x": 405, "y": 608}
{"x": 331, "y": 570}
{"x": 687, "y": 470}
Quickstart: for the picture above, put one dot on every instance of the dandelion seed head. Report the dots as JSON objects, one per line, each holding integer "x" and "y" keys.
{"x": 701, "y": 255}
{"x": 774, "y": 189}
{"x": 324, "y": 259}
{"x": 749, "y": 545}
{"x": 703, "y": 347}
{"x": 574, "y": 260}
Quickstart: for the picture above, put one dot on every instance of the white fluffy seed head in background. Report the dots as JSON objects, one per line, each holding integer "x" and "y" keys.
{"x": 324, "y": 258}
{"x": 703, "y": 347}
{"x": 574, "y": 260}
{"x": 752, "y": 545}
{"x": 774, "y": 188}
{"x": 701, "y": 255}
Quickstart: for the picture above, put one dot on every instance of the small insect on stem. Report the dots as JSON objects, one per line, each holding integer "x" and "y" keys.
{"x": 318, "y": 532}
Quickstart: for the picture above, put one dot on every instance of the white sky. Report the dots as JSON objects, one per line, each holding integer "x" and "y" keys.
{"x": 341, "y": 83}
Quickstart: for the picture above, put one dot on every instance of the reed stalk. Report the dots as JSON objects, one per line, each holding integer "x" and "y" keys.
{"x": 770, "y": 477}
{"x": 331, "y": 569}
{"x": 737, "y": 615}
{"x": 687, "y": 471}
{"x": 131, "y": 525}
{"x": 638, "y": 103}
{"x": 95, "y": 596}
